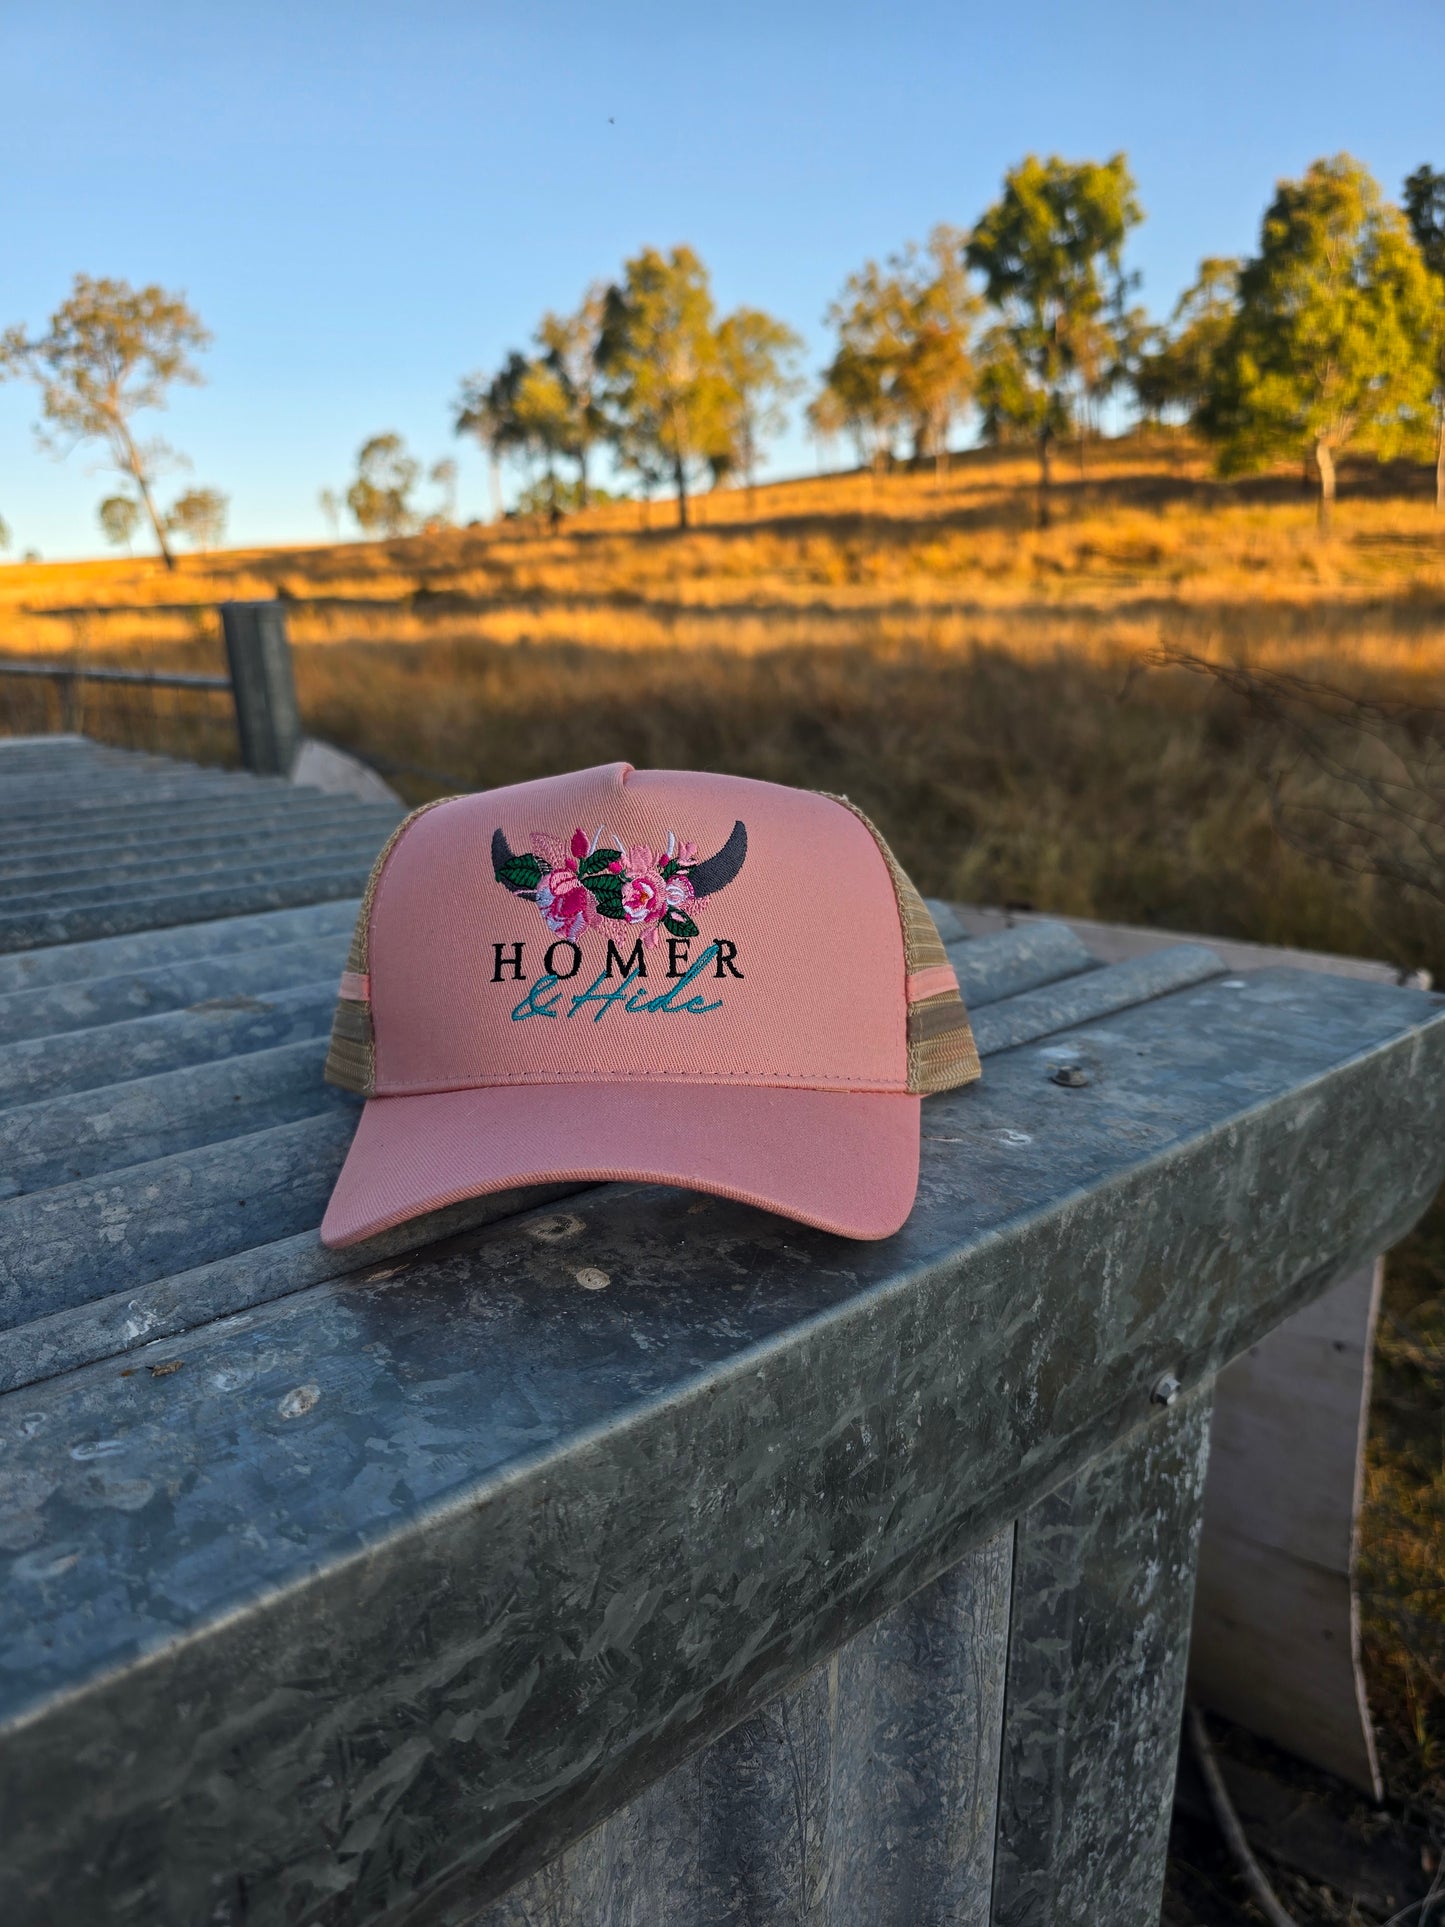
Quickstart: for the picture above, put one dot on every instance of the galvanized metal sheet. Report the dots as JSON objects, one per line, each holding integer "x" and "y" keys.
{"x": 384, "y": 1576}
{"x": 88, "y": 961}
{"x": 478, "y": 1502}
{"x": 1103, "y": 1587}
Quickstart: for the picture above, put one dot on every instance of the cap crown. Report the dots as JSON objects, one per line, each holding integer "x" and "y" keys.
{"x": 617, "y": 925}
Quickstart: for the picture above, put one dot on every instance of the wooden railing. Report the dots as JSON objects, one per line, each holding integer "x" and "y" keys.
{"x": 257, "y": 722}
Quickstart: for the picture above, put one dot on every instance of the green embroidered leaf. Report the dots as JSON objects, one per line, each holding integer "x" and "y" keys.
{"x": 670, "y": 869}
{"x": 678, "y": 925}
{"x": 599, "y": 860}
{"x": 606, "y": 887}
{"x": 520, "y": 872}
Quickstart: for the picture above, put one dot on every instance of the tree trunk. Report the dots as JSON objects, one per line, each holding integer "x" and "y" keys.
{"x": 583, "y": 494}
{"x": 1440, "y": 465}
{"x": 494, "y": 477}
{"x": 136, "y": 469}
{"x": 1045, "y": 477}
{"x": 1325, "y": 463}
{"x": 679, "y": 471}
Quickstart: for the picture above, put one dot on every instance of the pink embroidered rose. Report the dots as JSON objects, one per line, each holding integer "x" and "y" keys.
{"x": 566, "y": 903}
{"x": 644, "y": 894}
{"x": 644, "y": 899}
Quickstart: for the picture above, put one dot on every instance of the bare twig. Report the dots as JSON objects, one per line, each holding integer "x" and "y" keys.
{"x": 1260, "y": 1891}
{"x": 1421, "y": 1909}
{"x": 1354, "y": 782}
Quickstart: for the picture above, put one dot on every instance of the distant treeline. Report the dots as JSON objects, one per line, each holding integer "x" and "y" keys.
{"x": 1331, "y": 336}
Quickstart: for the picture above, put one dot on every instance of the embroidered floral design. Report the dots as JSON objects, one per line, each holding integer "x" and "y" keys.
{"x": 585, "y": 883}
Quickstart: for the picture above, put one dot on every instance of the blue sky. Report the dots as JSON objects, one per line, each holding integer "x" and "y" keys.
{"x": 366, "y": 202}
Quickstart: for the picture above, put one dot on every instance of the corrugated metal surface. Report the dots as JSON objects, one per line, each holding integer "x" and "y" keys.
{"x": 166, "y": 1139}
{"x": 172, "y": 940}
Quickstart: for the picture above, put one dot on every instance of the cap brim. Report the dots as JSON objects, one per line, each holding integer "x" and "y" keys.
{"x": 845, "y": 1161}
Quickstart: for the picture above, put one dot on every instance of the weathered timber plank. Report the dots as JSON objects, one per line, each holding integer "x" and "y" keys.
{"x": 152, "y": 949}
{"x": 951, "y": 926}
{"x": 244, "y": 867}
{"x": 98, "y": 1235}
{"x": 227, "y": 1026}
{"x": 116, "y": 1322}
{"x": 126, "y": 867}
{"x": 863, "y": 1797}
{"x": 1121, "y": 942}
{"x": 993, "y": 968}
{"x": 63, "y": 749}
{"x": 1276, "y": 1631}
{"x": 1103, "y": 1586}
{"x": 1096, "y": 993}
{"x": 429, "y": 1575}
{"x": 100, "y": 1131}
{"x": 90, "y": 801}
{"x": 110, "y": 917}
{"x": 54, "y": 1009}
{"x": 86, "y": 1134}
{"x": 130, "y": 828}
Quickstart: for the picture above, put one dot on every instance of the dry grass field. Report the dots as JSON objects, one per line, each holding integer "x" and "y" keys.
{"x": 1147, "y": 547}
{"x": 999, "y": 698}
{"x": 990, "y": 692}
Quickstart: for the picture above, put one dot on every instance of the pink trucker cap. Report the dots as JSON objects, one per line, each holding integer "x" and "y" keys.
{"x": 643, "y": 974}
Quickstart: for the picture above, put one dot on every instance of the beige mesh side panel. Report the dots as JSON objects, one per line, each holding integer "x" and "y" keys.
{"x": 941, "y": 1052}
{"x": 946, "y": 1060}
{"x": 351, "y": 1056}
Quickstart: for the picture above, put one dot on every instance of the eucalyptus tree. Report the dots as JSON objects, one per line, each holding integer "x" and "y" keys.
{"x": 569, "y": 345}
{"x": 1332, "y": 343}
{"x": 904, "y": 359}
{"x": 380, "y": 498}
{"x": 1050, "y": 251}
{"x": 1425, "y": 211}
{"x": 1176, "y": 372}
{"x": 200, "y": 516}
{"x": 860, "y": 392}
{"x": 109, "y": 353}
{"x": 662, "y": 370}
{"x": 443, "y": 475}
{"x": 119, "y": 518}
{"x": 758, "y": 355}
{"x": 486, "y": 409}
{"x": 935, "y": 376}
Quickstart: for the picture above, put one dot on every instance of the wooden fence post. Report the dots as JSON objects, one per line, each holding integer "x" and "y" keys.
{"x": 259, "y": 656}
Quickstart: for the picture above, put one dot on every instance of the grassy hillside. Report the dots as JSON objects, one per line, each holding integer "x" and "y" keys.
{"x": 991, "y": 692}
{"x": 1147, "y": 547}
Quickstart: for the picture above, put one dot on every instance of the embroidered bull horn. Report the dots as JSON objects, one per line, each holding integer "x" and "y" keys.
{"x": 714, "y": 873}
{"x": 501, "y": 857}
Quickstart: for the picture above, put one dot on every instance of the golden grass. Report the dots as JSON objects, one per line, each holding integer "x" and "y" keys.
{"x": 1150, "y": 548}
{"x": 983, "y": 687}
